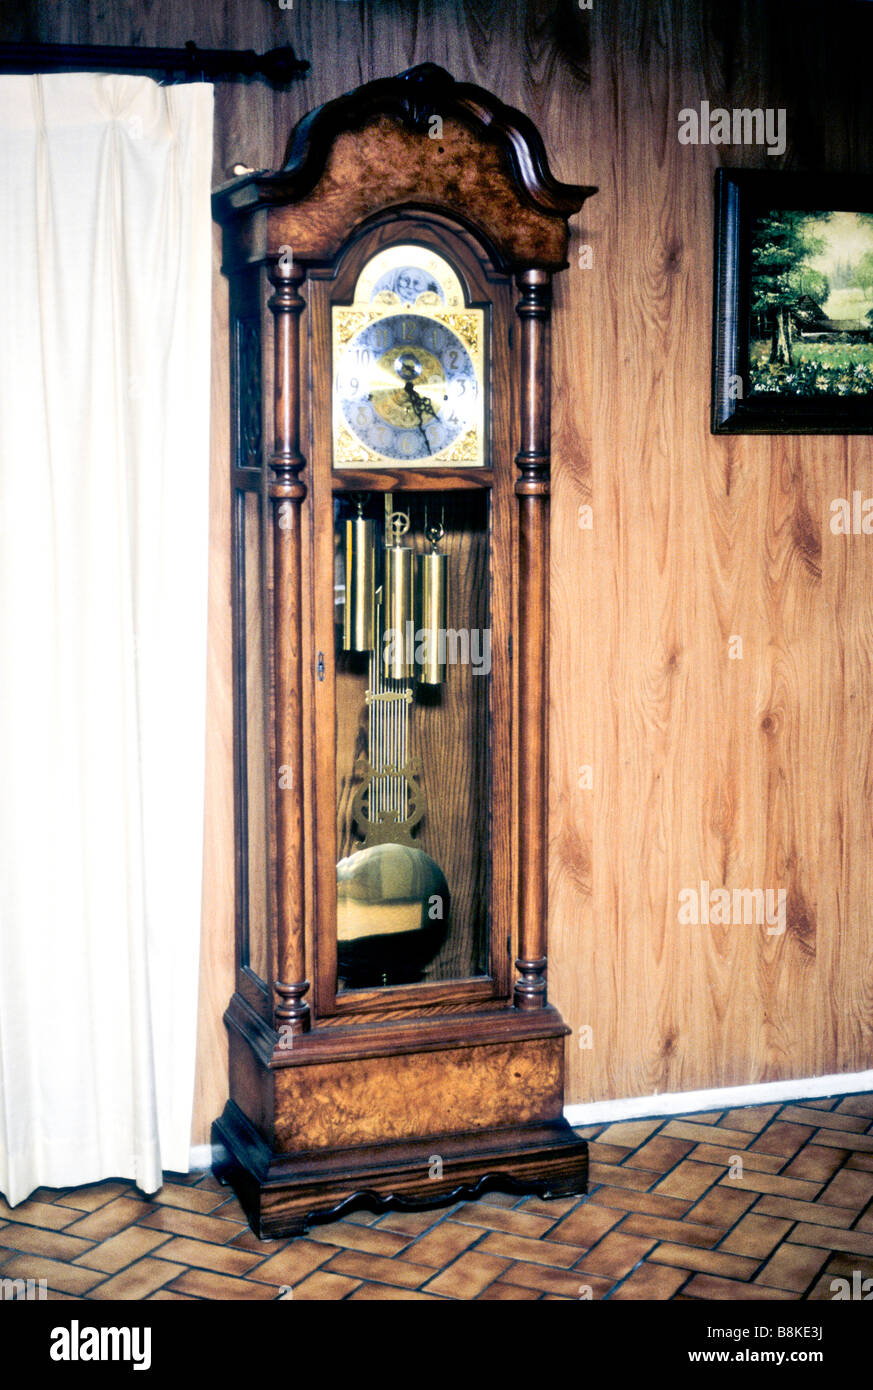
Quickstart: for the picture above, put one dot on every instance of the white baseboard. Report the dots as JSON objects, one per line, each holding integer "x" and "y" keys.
{"x": 723, "y": 1098}
{"x": 200, "y": 1157}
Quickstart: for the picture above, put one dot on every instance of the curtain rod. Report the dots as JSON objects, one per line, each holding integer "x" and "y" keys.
{"x": 278, "y": 66}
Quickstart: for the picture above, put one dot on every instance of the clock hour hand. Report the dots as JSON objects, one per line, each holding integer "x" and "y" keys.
{"x": 421, "y": 405}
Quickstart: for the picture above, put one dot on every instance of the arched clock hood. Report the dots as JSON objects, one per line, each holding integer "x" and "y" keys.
{"x": 375, "y": 147}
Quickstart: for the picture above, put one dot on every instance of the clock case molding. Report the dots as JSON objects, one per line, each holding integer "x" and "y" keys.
{"x": 344, "y": 1100}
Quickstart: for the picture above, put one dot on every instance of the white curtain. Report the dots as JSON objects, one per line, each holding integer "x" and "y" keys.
{"x": 105, "y": 266}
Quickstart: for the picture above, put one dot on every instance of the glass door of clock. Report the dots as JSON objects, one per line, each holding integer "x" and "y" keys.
{"x": 413, "y": 675}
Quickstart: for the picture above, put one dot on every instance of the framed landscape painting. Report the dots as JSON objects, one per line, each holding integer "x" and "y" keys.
{"x": 793, "y": 305}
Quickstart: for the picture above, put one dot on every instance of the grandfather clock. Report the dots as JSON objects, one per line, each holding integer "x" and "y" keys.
{"x": 390, "y": 1038}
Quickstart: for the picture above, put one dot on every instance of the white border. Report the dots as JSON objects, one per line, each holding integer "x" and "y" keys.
{"x": 723, "y": 1098}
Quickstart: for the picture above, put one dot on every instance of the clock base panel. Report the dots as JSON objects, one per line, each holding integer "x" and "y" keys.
{"x": 283, "y": 1194}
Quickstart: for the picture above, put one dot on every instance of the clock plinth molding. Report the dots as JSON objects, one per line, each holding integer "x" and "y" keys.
{"x": 417, "y": 1094}
{"x": 326, "y": 1096}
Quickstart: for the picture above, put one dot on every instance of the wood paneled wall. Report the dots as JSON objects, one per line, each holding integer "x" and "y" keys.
{"x": 746, "y": 773}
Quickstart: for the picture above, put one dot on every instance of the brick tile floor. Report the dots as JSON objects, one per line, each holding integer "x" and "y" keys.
{"x": 766, "y": 1202}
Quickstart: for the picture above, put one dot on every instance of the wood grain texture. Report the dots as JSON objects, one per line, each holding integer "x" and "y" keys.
{"x": 736, "y": 772}
{"x": 418, "y": 1094}
{"x": 287, "y": 493}
{"x": 746, "y": 773}
{"x": 475, "y": 186}
{"x": 281, "y": 1194}
{"x": 257, "y": 789}
{"x": 532, "y": 625}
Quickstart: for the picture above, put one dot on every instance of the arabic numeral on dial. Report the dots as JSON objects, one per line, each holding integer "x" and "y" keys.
{"x": 379, "y": 438}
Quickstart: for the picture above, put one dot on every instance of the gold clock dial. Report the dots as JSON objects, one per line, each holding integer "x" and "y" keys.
{"x": 408, "y": 366}
{"x": 395, "y": 371}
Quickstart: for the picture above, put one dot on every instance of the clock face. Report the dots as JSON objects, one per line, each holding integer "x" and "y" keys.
{"x": 407, "y": 387}
{"x": 408, "y": 366}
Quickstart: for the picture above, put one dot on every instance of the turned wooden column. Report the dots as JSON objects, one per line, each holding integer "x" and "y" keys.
{"x": 532, "y": 490}
{"x": 287, "y": 493}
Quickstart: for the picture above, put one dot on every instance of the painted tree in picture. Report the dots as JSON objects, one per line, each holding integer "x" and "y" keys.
{"x": 783, "y": 245}
{"x": 812, "y": 303}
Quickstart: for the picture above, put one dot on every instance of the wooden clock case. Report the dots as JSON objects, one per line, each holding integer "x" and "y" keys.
{"x": 408, "y": 1096}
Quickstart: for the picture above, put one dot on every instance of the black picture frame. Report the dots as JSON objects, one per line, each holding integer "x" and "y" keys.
{"x": 742, "y": 195}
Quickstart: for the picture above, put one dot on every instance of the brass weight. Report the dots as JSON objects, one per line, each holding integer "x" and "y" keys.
{"x": 359, "y": 614}
{"x": 398, "y": 597}
{"x": 399, "y": 612}
{"x": 433, "y": 586}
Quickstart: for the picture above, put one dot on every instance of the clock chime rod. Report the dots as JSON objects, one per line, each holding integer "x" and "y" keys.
{"x": 377, "y": 619}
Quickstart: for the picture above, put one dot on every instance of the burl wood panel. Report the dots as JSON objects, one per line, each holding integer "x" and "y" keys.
{"x": 371, "y": 168}
{"x": 426, "y": 1093}
{"x": 753, "y": 772}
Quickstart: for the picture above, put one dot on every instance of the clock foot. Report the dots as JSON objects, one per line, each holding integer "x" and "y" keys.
{"x": 284, "y": 1194}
